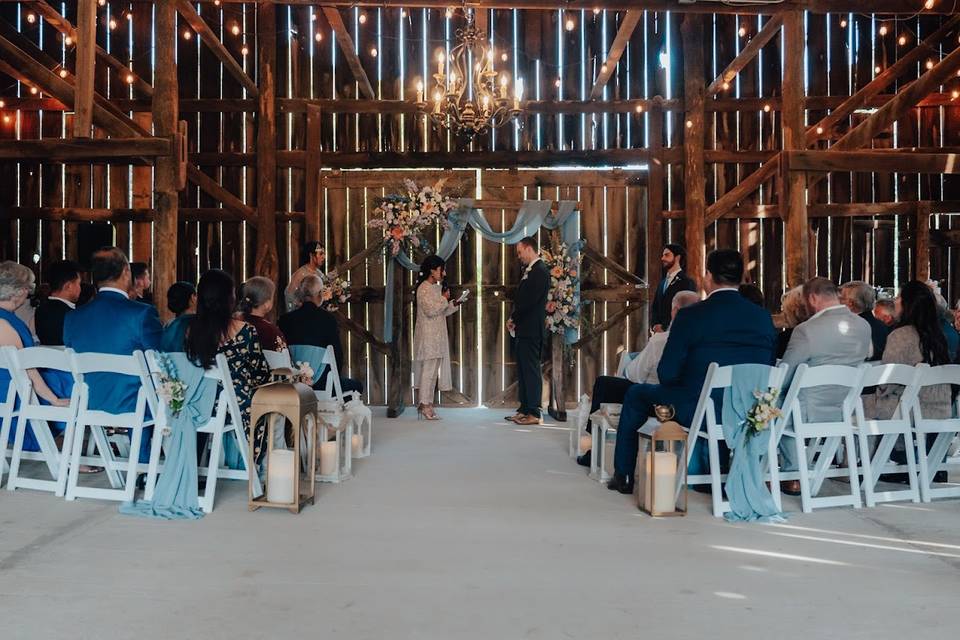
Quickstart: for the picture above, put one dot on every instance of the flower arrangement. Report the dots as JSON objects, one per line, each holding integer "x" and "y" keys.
{"x": 171, "y": 389}
{"x": 563, "y": 305}
{"x": 304, "y": 373}
{"x": 405, "y": 217}
{"x": 339, "y": 291}
{"x": 764, "y": 410}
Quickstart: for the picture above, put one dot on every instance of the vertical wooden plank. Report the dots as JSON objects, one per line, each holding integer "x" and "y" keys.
{"x": 374, "y": 362}
{"x": 921, "y": 260}
{"x": 693, "y": 142}
{"x": 86, "y": 58}
{"x": 165, "y": 116}
{"x": 312, "y": 178}
{"x": 267, "y": 261}
{"x": 655, "y": 224}
{"x": 794, "y": 182}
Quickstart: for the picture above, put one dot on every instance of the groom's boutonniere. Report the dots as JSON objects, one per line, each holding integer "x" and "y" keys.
{"x": 526, "y": 272}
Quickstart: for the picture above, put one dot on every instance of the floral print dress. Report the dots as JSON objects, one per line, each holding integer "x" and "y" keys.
{"x": 249, "y": 370}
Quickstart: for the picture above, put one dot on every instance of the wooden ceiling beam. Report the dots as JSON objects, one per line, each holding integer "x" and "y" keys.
{"x": 345, "y": 40}
{"x": 627, "y": 26}
{"x": 209, "y": 38}
{"x": 902, "y": 7}
{"x": 746, "y": 55}
{"x": 84, "y": 150}
{"x": 886, "y": 161}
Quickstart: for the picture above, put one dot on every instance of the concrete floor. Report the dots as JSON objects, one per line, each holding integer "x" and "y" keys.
{"x": 473, "y": 528}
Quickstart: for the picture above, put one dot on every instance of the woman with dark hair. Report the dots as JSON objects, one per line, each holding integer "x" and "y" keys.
{"x": 431, "y": 347}
{"x": 215, "y": 330}
{"x": 182, "y": 302}
{"x": 918, "y": 338}
{"x": 256, "y": 303}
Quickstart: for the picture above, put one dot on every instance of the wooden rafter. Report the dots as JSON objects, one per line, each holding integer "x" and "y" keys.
{"x": 349, "y": 50}
{"x": 209, "y": 38}
{"x": 901, "y": 161}
{"x": 85, "y": 149}
{"x": 627, "y": 26}
{"x": 746, "y": 55}
{"x": 64, "y": 26}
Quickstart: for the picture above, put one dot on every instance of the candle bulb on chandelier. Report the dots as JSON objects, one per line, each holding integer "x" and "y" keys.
{"x": 518, "y": 94}
{"x": 419, "y": 90}
{"x": 503, "y": 85}
{"x": 440, "y": 60}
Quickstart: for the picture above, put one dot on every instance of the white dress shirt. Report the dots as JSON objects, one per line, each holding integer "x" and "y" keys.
{"x": 643, "y": 368}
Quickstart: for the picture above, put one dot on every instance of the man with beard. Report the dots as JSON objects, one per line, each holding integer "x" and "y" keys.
{"x": 675, "y": 279}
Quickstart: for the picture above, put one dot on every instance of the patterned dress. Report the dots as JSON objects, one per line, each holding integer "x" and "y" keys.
{"x": 249, "y": 370}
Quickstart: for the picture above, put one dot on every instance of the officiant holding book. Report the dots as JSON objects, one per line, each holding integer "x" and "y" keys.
{"x": 528, "y": 327}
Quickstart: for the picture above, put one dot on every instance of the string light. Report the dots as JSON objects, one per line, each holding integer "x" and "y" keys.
{"x": 876, "y": 69}
{"x": 244, "y": 50}
{"x": 819, "y": 131}
{"x": 68, "y": 41}
{"x": 216, "y": 3}
{"x": 449, "y": 12}
{"x": 363, "y": 18}
{"x": 689, "y": 124}
{"x": 112, "y": 24}
{"x": 766, "y": 108}
{"x": 2, "y": 104}
{"x": 843, "y": 23}
{"x": 742, "y": 32}
{"x": 596, "y": 11}
{"x": 187, "y": 35}
{"x": 955, "y": 94}
{"x": 557, "y": 83}
{"x": 129, "y": 78}
{"x": 403, "y": 13}
{"x": 603, "y": 68}
{"x": 928, "y": 4}
{"x": 570, "y": 24}
{"x": 129, "y": 17}
{"x": 31, "y": 18}
{"x": 373, "y": 52}
{"x": 6, "y": 119}
{"x": 63, "y": 73}
{"x": 102, "y": 2}
{"x": 929, "y": 64}
{"x": 318, "y": 36}
{"x": 235, "y": 29}
{"x": 902, "y": 41}
{"x": 504, "y": 57}
{"x": 639, "y": 108}
{"x": 34, "y": 90}
{"x": 883, "y": 30}
{"x": 725, "y": 85}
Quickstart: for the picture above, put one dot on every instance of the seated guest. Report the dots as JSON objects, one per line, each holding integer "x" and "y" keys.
{"x": 312, "y": 325}
{"x": 753, "y": 293}
{"x": 112, "y": 323}
{"x": 861, "y": 299}
{"x": 140, "y": 282}
{"x": 794, "y": 311}
{"x": 726, "y": 328}
{"x": 52, "y": 387}
{"x": 256, "y": 304}
{"x": 832, "y": 335}
{"x": 214, "y": 330}
{"x": 949, "y": 331}
{"x": 182, "y": 302}
{"x": 918, "y": 338}
{"x": 642, "y": 369}
{"x": 64, "y": 292}
{"x": 87, "y": 293}
{"x": 313, "y": 256}
{"x": 886, "y": 312}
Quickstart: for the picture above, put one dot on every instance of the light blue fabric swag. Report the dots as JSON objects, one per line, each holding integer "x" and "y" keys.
{"x": 175, "y": 496}
{"x": 750, "y": 500}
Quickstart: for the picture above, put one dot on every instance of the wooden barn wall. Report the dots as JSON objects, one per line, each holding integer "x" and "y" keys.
{"x": 398, "y": 46}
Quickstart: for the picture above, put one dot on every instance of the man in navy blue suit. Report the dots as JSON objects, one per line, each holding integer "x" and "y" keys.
{"x": 112, "y": 323}
{"x": 726, "y": 328}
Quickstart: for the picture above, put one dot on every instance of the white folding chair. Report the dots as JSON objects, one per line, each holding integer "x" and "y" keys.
{"x": 827, "y": 435}
{"x": 605, "y": 421}
{"x": 331, "y": 405}
{"x": 39, "y": 416}
{"x": 579, "y": 418}
{"x": 8, "y": 411}
{"x": 226, "y": 421}
{"x": 719, "y": 378}
{"x": 889, "y": 431}
{"x": 935, "y": 458}
{"x": 123, "y": 486}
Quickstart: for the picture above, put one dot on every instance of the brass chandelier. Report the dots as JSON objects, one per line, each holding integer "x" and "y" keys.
{"x": 469, "y": 96}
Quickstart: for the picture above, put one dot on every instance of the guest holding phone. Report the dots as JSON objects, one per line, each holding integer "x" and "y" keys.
{"x": 431, "y": 347}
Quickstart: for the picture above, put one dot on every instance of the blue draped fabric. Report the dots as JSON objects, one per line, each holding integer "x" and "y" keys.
{"x": 60, "y": 383}
{"x": 310, "y": 354}
{"x": 175, "y": 496}
{"x": 750, "y": 500}
{"x": 533, "y": 215}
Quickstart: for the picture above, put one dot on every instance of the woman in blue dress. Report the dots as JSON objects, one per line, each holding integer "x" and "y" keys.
{"x": 53, "y": 387}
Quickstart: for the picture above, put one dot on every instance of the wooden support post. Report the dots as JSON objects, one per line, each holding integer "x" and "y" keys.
{"x": 165, "y": 117}
{"x": 86, "y": 59}
{"x": 746, "y": 55}
{"x": 655, "y": 195}
{"x": 399, "y": 361}
{"x": 793, "y": 197}
{"x": 693, "y": 135}
{"x": 267, "y": 262}
{"x": 921, "y": 239}
{"x": 313, "y": 186}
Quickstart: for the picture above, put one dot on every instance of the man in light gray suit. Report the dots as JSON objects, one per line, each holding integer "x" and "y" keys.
{"x": 832, "y": 335}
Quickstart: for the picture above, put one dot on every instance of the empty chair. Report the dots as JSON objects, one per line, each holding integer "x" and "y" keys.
{"x": 889, "y": 431}
{"x": 706, "y": 415}
{"x": 827, "y": 435}
{"x": 933, "y": 456}
{"x": 38, "y": 416}
{"x": 98, "y": 420}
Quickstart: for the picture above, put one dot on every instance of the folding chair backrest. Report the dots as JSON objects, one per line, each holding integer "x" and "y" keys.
{"x": 278, "y": 359}
{"x": 626, "y": 357}
{"x": 944, "y": 374}
{"x": 221, "y": 372}
{"x": 333, "y": 378}
{"x": 155, "y": 371}
{"x": 9, "y": 400}
{"x": 833, "y": 375}
{"x": 905, "y": 375}
{"x": 112, "y": 364}
{"x": 21, "y": 360}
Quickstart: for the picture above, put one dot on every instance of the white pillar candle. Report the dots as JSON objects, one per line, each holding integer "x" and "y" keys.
{"x": 666, "y": 481}
{"x": 356, "y": 444}
{"x": 280, "y": 470}
{"x": 328, "y": 458}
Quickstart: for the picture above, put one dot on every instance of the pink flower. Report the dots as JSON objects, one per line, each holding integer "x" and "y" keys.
{"x": 551, "y": 307}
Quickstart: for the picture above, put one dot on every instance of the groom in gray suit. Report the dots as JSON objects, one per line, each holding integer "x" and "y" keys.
{"x": 832, "y": 335}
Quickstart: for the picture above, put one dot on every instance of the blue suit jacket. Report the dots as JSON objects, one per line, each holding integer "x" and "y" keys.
{"x": 726, "y": 328}
{"x": 110, "y": 323}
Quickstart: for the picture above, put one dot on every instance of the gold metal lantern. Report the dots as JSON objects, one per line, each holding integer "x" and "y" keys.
{"x": 290, "y": 461}
{"x": 662, "y": 466}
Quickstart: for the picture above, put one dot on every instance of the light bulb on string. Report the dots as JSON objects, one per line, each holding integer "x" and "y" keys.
{"x": 34, "y": 90}
{"x": 31, "y": 18}
{"x": 557, "y": 83}
{"x": 102, "y": 3}
{"x": 318, "y": 36}
{"x": 235, "y": 29}
{"x": 819, "y": 131}
{"x": 603, "y": 68}
{"x": 449, "y": 13}
{"x": 63, "y": 73}
{"x": 504, "y": 57}
{"x": 876, "y": 69}
{"x": 929, "y": 64}
{"x": 902, "y": 40}
{"x": 883, "y": 30}
{"x": 725, "y": 86}
{"x": 928, "y": 4}
{"x": 954, "y": 94}
{"x": 6, "y": 119}
{"x": 570, "y": 25}
{"x": 843, "y": 23}
{"x": 187, "y": 35}
{"x": 373, "y": 52}
{"x": 596, "y": 11}
{"x": 2, "y": 104}
{"x": 742, "y": 32}
{"x": 112, "y": 24}
{"x": 244, "y": 50}
{"x": 129, "y": 17}
{"x": 129, "y": 78}
{"x": 403, "y": 13}
{"x": 68, "y": 41}
{"x": 766, "y": 108}
{"x": 363, "y": 18}
{"x": 639, "y": 108}
{"x": 689, "y": 124}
